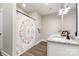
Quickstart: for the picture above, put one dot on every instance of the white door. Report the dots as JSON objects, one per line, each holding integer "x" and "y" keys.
{"x": 0, "y": 29}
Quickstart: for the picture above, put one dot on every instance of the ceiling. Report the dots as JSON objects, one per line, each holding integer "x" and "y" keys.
{"x": 43, "y": 8}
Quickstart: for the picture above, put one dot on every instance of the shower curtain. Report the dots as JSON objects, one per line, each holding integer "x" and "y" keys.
{"x": 25, "y": 33}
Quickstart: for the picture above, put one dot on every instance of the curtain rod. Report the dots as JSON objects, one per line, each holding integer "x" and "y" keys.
{"x": 25, "y": 15}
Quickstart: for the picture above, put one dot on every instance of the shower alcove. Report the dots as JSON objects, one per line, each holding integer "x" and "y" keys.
{"x": 25, "y": 32}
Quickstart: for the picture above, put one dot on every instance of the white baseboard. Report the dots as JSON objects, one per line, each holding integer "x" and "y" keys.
{"x": 44, "y": 40}
{"x": 4, "y": 53}
{"x": 37, "y": 42}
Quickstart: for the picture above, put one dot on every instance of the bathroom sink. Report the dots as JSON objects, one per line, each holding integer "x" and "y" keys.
{"x": 62, "y": 40}
{"x": 60, "y": 46}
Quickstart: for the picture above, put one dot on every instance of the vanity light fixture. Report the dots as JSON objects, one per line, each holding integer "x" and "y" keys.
{"x": 64, "y": 11}
{"x": 24, "y": 5}
{"x": 61, "y": 11}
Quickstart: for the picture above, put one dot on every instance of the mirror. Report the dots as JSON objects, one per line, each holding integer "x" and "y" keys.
{"x": 69, "y": 18}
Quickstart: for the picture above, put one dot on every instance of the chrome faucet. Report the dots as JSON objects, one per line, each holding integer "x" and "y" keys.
{"x": 67, "y": 37}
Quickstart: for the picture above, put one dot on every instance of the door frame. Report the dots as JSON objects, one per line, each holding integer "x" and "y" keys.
{"x": 1, "y": 31}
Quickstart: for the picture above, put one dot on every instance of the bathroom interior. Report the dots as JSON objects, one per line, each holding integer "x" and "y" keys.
{"x": 39, "y": 29}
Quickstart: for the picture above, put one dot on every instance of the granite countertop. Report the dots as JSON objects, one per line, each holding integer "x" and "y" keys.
{"x": 59, "y": 39}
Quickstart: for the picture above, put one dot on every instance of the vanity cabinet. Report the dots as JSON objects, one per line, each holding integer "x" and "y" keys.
{"x": 62, "y": 49}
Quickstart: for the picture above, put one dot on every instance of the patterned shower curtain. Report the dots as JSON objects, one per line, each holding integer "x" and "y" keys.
{"x": 26, "y": 31}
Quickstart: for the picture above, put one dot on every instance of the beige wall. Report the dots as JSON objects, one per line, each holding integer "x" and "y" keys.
{"x": 50, "y": 25}
{"x": 37, "y": 18}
